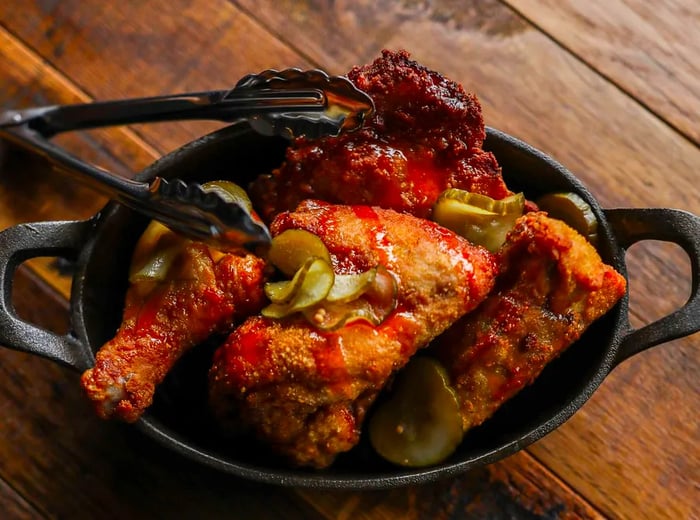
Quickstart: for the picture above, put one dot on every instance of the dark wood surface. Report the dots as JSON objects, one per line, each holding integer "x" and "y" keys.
{"x": 610, "y": 88}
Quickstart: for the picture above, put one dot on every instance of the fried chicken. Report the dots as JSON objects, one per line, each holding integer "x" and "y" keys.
{"x": 305, "y": 391}
{"x": 551, "y": 287}
{"x": 161, "y": 320}
{"x": 425, "y": 136}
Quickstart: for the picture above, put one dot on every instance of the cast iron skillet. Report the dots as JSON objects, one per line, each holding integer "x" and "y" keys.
{"x": 178, "y": 419}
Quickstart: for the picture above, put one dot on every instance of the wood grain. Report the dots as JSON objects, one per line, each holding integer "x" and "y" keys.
{"x": 648, "y": 49}
{"x": 531, "y": 87}
{"x": 517, "y": 487}
{"x": 13, "y": 506}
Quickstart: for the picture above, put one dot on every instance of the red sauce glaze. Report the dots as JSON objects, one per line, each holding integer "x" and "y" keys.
{"x": 366, "y": 213}
{"x": 330, "y": 362}
{"x": 250, "y": 348}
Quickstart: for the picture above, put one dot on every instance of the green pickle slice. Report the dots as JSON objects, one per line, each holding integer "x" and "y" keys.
{"x": 420, "y": 424}
{"x": 370, "y": 302}
{"x": 154, "y": 254}
{"x": 573, "y": 210}
{"x": 479, "y": 218}
{"x": 327, "y": 300}
{"x": 348, "y": 287}
{"x": 315, "y": 281}
{"x": 291, "y": 248}
{"x": 230, "y": 192}
{"x": 285, "y": 290}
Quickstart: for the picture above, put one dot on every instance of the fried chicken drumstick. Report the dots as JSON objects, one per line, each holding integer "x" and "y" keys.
{"x": 551, "y": 287}
{"x": 161, "y": 320}
{"x": 424, "y": 137}
{"x": 305, "y": 391}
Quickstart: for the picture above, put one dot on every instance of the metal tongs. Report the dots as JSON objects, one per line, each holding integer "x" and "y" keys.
{"x": 288, "y": 103}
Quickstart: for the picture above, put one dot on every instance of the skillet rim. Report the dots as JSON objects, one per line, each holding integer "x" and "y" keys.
{"x": 152, "y": 427}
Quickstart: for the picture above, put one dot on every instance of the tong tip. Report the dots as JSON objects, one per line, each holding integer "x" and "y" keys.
{"x": 207, "y": 216}
{"x": 342, "y": 106}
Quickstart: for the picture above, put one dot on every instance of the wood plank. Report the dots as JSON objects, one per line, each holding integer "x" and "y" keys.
{"x": 27, "y": 81}
{"x": 13, "y": 506}
{"x": 516, "y": 487}
{"x": 69, "y": 464}
{"x": 649, "y": 49}
{"x": 619, "y": 159}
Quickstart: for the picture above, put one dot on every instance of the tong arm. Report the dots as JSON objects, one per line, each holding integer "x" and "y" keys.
{"x": 185, "y": 208}
{"x": 220, "y": 105}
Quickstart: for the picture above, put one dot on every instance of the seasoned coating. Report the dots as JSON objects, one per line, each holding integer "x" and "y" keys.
{"x": 552, "y": 286}
{"x": 424, "y": 137}
{"x": 163, "y": 320}
{"x": 305, "y": 391}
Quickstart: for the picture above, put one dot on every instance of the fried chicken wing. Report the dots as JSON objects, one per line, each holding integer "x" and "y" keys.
{"x": 305, "y": 391}
{"x": 551, "y": 287}
{"x": 425, "y": 136}
{"x": 161, "y": 320}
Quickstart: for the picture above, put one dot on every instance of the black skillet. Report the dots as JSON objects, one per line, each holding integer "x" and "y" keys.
{"x": 178, "y": 419}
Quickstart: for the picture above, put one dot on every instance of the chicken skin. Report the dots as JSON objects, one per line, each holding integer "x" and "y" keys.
{"x": 551, "y": 287}
{"x": 425, "y": 136}
{"x": 305, "y": 391}
{"x": 162, "y": 320}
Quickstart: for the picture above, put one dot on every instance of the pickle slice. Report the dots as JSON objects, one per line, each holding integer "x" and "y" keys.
{"x": 454, "y": 214}
{"x": 480, "y": 219}
{"x": 420, "y": 424}
{"x": 285, "y": 290}
{"x": 326, "y": 300}
{"x": 230, "y": 192}
{"x": 291, "y": 248}
{"x": 331, "y": 316}
{"x": 373, "y": 305}
{"x": 350, "y": 286}
{"x": 157, "y": 266}
{"x": 511, "y": 204}
{"x": 573, "y": 210}
{"x": 316, "y": 281}
{"x": 154, "y": 253}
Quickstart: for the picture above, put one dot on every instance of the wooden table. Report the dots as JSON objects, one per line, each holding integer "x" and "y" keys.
{"x": 610, "y": 88}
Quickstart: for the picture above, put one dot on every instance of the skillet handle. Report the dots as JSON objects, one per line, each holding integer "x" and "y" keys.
{"x": 631, "y": 225}
{"x": 20, "y": 243}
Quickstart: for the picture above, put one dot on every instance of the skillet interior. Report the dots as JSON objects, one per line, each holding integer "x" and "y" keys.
{"x": 179, "y": 418}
